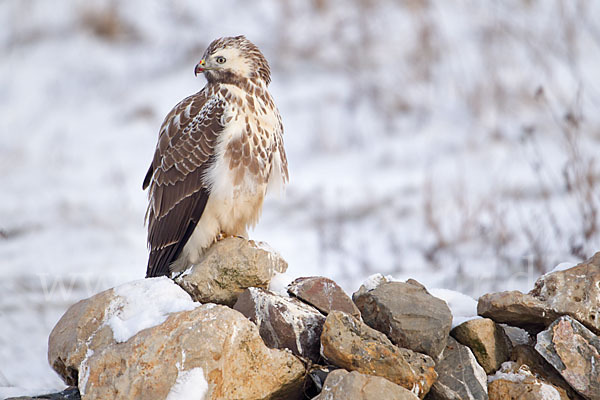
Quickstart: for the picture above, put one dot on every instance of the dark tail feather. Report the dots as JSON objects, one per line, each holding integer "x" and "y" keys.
{"x": 161, "y": 259}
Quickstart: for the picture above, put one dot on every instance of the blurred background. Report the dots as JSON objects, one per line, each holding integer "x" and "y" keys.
{"x": 453, "y": 142}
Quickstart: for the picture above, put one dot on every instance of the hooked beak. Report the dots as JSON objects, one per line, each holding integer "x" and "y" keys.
{"x": 200, "y": 67}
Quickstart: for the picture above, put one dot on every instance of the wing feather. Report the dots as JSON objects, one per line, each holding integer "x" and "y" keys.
{"x": 178, "y": 192}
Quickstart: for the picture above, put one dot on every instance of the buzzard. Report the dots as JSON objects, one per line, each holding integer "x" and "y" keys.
{"x": 218, "y": 152}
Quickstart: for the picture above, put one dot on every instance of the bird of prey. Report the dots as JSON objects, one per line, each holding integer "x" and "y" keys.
{"x": 218, "y": 152}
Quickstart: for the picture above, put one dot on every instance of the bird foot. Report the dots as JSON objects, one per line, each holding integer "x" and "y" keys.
{"x": 223, "y": 235}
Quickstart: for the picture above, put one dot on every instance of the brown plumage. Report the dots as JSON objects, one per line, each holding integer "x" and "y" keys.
{"x": 217, "y": 152}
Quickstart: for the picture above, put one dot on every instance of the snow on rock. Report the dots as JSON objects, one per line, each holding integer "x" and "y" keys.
{"x": 375, "y": 280}
{"x": 190, "y": 385}
{"x": 463, "y": 307}
{"x": 513, "y": 380}
{"x": 283, "y": 322}
{"x": 562, "y": 267}
{"x": 143, "y": 304}
{"x": 507, "y": 373}
{"x": 280, "y": 282}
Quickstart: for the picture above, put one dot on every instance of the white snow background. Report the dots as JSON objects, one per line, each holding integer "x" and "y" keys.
{"x": 455, "y": 143}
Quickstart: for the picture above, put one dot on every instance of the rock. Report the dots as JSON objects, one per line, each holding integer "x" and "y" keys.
{"x": 324, "y": 294}
{"x": 574, "y": 351}
{"x": 283, "y": 322}
{"x": 517, "y": 335}
{"x": 228, "y": 268}
{"x": 79, "y": 331}
{"x": 343, "y": 385}
{"x": 351, "y": 344}
{"x": 70, "y": 393}
{"x": 109, "y": 317}
{"x": 460, "y": 377}
{"x": 518, "y": 383}
{"x": 526, "y": 356}
{"x": 571, "y": 292}
{"x": 487, "y": 340}
{"x": 214, "y": 341}
{"x": 317, "y": 374}
{"x": 407, "y": 314}
{"x": 516, "y": 308}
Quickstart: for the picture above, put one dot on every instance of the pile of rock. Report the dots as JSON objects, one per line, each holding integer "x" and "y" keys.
{"x": 218, "y": 332}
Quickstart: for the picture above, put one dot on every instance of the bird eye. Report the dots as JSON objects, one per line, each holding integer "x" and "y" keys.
{"x": 221, "y": 60}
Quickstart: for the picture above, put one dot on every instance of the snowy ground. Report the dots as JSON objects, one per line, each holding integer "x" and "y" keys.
{"x": 452, "y": 142}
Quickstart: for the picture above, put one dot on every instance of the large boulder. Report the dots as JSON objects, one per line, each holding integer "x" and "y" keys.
{"x": 352, "y": 345}
{"x": 410, "y": 316}
{"x": 460, "y": 376}
{"x": 79, "y": 331}
{"x": 324, "y": 294}
{"x": 487, "y": 340}
{"x": 216, "y": 345}
{"x": 148, "y": 340}
{"x": 573, "y": 292}
{"x": 109, "y": 317}
{"x": 343, "y": 385}
{"x": 574, "y": 351}
{"x": 283, "y": 322}
{"x": 229, "y": 267}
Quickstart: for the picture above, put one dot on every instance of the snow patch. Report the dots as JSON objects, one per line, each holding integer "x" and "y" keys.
{"x": 507, "y": 373}
{"x": 143, "y": 304}
{"x": 375, "y": 280}
{"x": 510, "y": 372}
{"x": 280, "y": 282}
{"x": 190, "y": 385}
{"x": 549, "y": 392}
{"x": 562, "y": 267}
{"x": 462, "y": 307}
{"x": 84, "y": 371}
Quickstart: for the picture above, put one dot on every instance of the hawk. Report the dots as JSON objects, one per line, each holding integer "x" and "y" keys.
{"x": 218, "y": 152}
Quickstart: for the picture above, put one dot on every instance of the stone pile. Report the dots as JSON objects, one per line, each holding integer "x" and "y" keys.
{"x": 218, "y": 332}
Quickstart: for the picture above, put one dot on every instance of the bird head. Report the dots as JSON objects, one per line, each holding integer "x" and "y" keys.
{"x": 233, "y": 58}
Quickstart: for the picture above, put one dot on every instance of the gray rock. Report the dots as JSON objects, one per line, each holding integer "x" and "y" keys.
{"x": 352, "y": 345}
{"x": 70, "y": 393}
{"x": 573, "y": 292}
{"x": 460, "y": 377}
{"x": 229, "y": 267}
{"x": 408, "y": 315}
{"x": 574, "y": 351}
{"x": 324, "y": 294}
{"x": 283, "y": 322}
{"x": 518, "y": 336}
{"x": 317, "y": 374}
{"x": 487, "y": 340}
{"x": 516, "y": 308}
{"x": 343, "y": 385}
